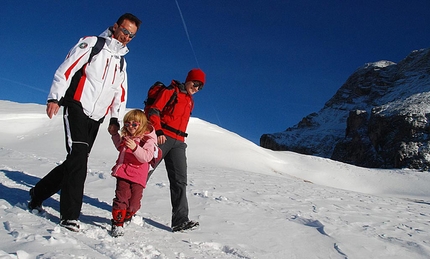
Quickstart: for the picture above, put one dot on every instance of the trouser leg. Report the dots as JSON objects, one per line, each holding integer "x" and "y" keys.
{"x": 49, "y": 184}
{"x": 122, "y": 195}
{"x": 136, "y": 198}
{"x": 69, "y": 177}
{"x": 120, "y": 202}
{"x": 176, "y": 166}
{"x": 128, "y": 197}
{"x": 81, "y": 133}
{"x": 72, "y": 191}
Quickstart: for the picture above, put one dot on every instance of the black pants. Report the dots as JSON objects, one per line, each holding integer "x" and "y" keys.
{"x": 69, "y": 177}
{"x": 176, "y": 165}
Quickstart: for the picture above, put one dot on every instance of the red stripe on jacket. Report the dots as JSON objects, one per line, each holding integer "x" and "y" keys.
{"x": 69, "y": 70}
{"x": 80, "y": 87}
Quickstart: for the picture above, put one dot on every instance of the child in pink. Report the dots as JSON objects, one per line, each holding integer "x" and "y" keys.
{"x": 136, "y": 146}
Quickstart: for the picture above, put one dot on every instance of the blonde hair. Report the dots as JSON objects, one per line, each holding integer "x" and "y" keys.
{"x": 139, "y": 116}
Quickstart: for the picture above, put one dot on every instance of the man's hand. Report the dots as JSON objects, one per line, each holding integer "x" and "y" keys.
{"x": 161, "y": 139}
{"x": 113, "y": 129}
{"x": 52, "y": 109}
{"x": 113, "y": 126}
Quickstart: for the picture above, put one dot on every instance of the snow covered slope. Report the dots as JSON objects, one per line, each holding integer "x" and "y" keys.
{"x": 251, "y": 202}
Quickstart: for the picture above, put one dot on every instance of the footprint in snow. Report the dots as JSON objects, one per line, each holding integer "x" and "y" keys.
{"x": 310, "y": 223}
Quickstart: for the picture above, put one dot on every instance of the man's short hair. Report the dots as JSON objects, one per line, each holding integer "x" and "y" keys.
{"x": 130, "y": 17}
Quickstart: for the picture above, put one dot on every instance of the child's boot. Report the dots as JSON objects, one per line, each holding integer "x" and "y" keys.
{"x": 118, "y": 222}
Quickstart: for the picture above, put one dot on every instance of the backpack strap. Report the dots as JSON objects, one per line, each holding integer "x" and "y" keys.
{"x": 174, "y": 99}
{"x": 97, "y": 48}
{"x": 121, "y": 63}
{"x": 176, "y": 131}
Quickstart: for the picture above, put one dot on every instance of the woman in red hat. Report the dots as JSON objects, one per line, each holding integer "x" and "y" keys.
{"x": 169, "y": 115}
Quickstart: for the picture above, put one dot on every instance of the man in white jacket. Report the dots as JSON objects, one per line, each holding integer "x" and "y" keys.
{"x": 89, "y": 84}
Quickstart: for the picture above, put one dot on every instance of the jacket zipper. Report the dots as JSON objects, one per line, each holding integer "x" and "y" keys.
{"x": 114, "y": 73}
{"x": 106, "y": 67}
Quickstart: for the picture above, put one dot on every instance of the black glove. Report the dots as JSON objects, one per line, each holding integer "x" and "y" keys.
{"x": 114, "y": 121}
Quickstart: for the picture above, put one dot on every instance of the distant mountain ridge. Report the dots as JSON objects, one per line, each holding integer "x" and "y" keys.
{"x": 378, "y": 118}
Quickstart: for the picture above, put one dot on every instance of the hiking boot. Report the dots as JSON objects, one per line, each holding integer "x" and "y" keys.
{"x": 70, "y": 224}
{"x": 34, "y": 204}
{"x": 117, "y": 231}
{"x": 185, "y": 226}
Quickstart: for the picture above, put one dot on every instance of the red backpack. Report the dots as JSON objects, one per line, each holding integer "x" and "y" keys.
{"x": 153, "y": 93}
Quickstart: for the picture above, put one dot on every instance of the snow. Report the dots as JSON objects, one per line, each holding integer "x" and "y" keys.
{"x": 251, "y": 202}
{"x": 379, "y": 64}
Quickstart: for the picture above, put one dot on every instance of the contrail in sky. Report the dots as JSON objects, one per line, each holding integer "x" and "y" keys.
{"x": 186, "y": 32}
{"x": 26, "y": 85}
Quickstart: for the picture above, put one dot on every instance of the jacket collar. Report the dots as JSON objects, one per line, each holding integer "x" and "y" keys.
{"x": 113, "y": 44}
{"x": 180, "y": 86}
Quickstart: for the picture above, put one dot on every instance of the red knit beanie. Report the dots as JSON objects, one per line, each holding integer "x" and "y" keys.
{"x": 196, "y": 74}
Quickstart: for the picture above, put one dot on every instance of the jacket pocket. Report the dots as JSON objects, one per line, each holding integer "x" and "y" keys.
{"x": 132, "y": 170}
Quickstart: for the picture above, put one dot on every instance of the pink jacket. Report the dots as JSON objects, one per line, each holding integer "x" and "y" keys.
{"x": 134, "y": 166}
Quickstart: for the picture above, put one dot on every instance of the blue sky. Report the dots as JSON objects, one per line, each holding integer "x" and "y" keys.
{"x": 268, "y": 63}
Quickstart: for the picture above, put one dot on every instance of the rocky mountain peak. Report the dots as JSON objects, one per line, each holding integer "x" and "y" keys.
{"x": 378, "y": 118}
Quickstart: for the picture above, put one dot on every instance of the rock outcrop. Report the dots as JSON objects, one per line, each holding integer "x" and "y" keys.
{"x": 378, "y": 118}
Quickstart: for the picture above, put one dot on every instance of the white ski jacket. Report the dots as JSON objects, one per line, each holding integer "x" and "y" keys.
{"x": 102, "y": 87}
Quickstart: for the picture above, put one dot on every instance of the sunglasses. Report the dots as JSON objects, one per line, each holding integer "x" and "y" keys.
{"x": 127, "y": 32}
{"x": 133, "y": 124}
{"x": 198, "y": 84}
